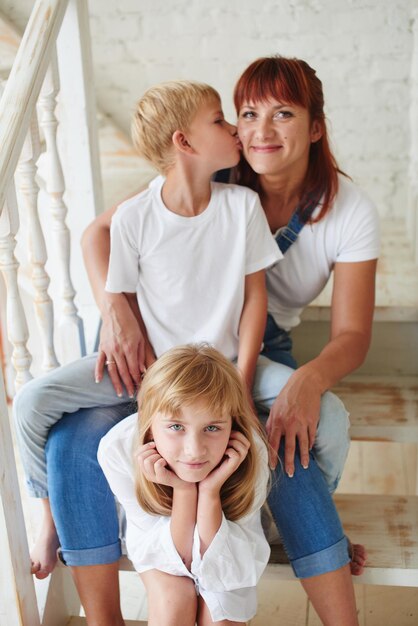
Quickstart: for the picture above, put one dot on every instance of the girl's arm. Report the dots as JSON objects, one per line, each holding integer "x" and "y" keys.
{"x": 209, "y": 507}
{"x": 183, "y": 520}
{"x": 252, "y": 325}
{"x": 295, "y": 412}
{"x": 183, "y": 514}
{"x": 237, "y": 555}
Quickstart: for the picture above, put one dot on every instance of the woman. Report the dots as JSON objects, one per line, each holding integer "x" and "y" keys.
{"x": 282, "y": 128}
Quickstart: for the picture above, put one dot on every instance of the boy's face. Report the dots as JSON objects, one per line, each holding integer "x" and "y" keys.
{"x": 212, "y": 138}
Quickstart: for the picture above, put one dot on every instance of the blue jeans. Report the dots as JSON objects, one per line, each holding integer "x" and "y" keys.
{"x": 83, "y": 505}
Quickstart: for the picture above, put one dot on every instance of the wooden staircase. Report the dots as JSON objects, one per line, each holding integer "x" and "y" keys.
{"x": 382, "y": 399}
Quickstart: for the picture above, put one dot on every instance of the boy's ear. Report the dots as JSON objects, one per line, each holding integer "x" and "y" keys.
{"x": 180, "y": 142}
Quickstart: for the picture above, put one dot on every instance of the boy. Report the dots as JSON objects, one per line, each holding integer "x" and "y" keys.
{"x": 190, "y": 252}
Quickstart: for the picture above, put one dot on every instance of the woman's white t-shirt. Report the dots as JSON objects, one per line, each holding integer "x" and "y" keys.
{"x": 230, "y": 568}
{"x": 348, "y": 233}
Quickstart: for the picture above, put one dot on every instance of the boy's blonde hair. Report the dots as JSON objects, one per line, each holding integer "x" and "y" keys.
{"x": 161, "y": 111}
{"x": 182, "y": 376}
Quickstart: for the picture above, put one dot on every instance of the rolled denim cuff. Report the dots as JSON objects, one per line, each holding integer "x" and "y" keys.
{"x": 36, "y": 489}
{"x": 327, "y": 560}
{"x": 92, "y": 556}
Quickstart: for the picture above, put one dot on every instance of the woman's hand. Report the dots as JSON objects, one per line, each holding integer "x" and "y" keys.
{"x": 122, "y": 346}
{"x": 235, "y": 453}
{"x": 155, "y": 468}
{"x": 295, "y": 416}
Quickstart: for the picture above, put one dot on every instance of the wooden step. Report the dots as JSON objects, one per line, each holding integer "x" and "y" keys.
{"x": 386, "y": 525}
{"x": 381, "y": 408}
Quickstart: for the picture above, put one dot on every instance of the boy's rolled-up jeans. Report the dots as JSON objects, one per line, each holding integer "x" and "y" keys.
{"x": 82, "y": 504}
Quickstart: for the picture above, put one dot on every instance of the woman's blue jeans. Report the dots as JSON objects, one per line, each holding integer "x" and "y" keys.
{"x": 84, "y": 508}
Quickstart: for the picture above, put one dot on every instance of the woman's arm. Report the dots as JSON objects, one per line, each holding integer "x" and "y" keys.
{"x": 295, "y": 413}
{"x": 119, "y": 323}
{"x": 252, "y": 325}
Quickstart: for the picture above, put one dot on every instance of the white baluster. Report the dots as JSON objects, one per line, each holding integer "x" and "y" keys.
{"x": 17, "y": 329}
{"x": 29, "y": 190}
{"x": 71, "y": 335}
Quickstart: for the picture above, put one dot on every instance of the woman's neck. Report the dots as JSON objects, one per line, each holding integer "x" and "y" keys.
{"x": 279, "y": 197}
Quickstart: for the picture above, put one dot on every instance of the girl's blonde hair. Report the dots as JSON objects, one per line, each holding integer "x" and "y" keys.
{"x": 161, "y": 111}
{"x": 182, "y": 376}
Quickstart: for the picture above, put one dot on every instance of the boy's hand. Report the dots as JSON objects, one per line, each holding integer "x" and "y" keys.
{"x": 154, "y": 467}
{"x": 235, "y": 453}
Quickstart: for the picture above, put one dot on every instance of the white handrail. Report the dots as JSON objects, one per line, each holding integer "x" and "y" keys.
{"x": 24, "y": 83}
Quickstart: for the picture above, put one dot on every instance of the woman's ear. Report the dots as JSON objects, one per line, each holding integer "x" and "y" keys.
{"x": 180, "y": 142}
{"x": 316, "y": 131}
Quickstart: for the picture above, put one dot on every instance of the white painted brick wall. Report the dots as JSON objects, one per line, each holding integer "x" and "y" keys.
{"x": 362, "y": 50}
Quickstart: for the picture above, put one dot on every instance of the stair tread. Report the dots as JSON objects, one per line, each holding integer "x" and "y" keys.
{"x": 386, "y": 525}
{"x": 382, "y": 408}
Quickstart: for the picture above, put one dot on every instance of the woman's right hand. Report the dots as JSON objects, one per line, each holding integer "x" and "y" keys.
{"x": 122, "y": 346}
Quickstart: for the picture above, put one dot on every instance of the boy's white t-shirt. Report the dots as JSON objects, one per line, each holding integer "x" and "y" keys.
{"x": 227, "y": 574}
{"x": 348, "y": 233}
{"x": 189, "y": 272}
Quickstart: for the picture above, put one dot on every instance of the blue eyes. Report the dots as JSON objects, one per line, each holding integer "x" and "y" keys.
{"x": 178, "y": 427}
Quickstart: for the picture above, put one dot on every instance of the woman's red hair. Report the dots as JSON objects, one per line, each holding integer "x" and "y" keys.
{"x": 292, "y": 81}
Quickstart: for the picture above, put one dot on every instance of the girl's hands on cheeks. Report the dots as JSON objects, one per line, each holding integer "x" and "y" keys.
{"x": 235, "y": 453}
{"x": 154, "y": 467}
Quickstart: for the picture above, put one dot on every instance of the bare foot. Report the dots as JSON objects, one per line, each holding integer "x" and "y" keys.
{"x": 44, "y": 553}
{"x": 358, "y": 558}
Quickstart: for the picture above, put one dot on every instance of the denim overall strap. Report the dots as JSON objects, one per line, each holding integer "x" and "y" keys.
{"x": 289, "y": 233}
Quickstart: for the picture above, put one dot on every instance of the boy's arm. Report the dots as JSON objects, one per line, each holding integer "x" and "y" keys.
{"x": 252, "y": 325}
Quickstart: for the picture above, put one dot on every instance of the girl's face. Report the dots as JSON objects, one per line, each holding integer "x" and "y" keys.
{"x": 194, "y": 443}
{"x": 276, "y": 137}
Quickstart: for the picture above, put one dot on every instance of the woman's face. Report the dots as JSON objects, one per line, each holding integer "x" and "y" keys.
{"x": 276, "y": 137}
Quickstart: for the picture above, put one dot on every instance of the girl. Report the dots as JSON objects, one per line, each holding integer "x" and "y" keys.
{"x": 191, "y": 473}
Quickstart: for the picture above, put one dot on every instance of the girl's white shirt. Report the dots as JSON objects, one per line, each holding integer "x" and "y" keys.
{"x": 227, "y": 574}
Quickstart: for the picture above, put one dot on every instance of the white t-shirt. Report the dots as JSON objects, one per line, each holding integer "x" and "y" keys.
{"x": 189, "y": 272}
{"x": 227, "y": 574}
{"x": 348, "y": 233}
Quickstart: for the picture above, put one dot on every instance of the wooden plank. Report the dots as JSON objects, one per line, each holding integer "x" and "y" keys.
{"x": 387, "y": 526}
{"x": 381, "y": 408}
{"x": 24, "y": 83}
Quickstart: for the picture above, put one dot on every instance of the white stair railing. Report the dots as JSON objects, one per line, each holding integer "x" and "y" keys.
{"x": 57, "y": 35}
{"x": 17, "y": 329}
{"x": 29, "y": 192}
{"x": 71, "y": 325}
